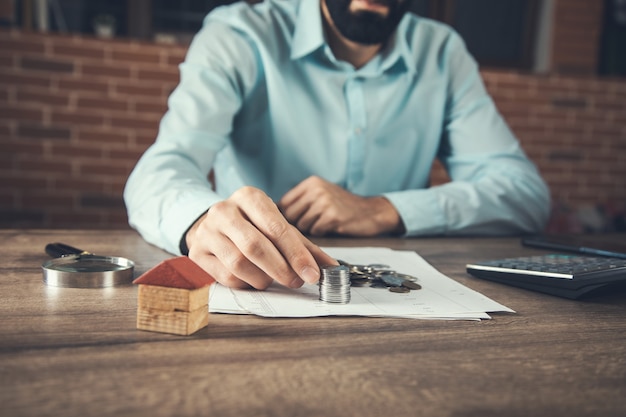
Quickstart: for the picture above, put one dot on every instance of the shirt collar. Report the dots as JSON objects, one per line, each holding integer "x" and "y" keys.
{"x": 397, "y": 52}
{"x": 309, "y": 31}
{"x": 309, "y": 36}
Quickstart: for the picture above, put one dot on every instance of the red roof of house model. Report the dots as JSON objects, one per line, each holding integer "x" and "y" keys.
{"x": 179, "y": 272}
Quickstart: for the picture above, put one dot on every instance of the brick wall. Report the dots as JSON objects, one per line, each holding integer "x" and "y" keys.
{"x": 574, "y": 129}
{"x": 76, "y": 113}
{"x": 576, "y": 36}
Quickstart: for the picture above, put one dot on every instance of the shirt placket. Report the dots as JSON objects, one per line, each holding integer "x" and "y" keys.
{"x": 355, "y": 101}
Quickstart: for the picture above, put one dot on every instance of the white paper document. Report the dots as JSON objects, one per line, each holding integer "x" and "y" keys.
{"x": 440, "y": 297}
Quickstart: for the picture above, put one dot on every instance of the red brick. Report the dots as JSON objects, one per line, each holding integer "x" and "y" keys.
{"x": 7, "y": 61}
{"x": 11, "y": 78}
{"x": 616, "y": 104}
{"x": 77, "y": 150}
{"x": 21, "y": 181}
{"x": 78, "y": 183}
{"x": 521, "y": 86}
{"x": 175, "y": 57}
{"x": 40, "y": 96}
{"x": 105, "y": 70}
{"x": 74, "y": 118}
{"x": 48, "y": 198}
{"x": 166, "y": 75}
{"x": 47, "y": 65}
{"x": 159, "y": 107}
{"x": 5, "y": 129}
{"x": 19, "y": 112}
{"x": 547, "y": 120}
{"x": 608, "y": 131}
{"x": 135, "y": 122}
{"x": 579, "y": 103}
{"x": 64, "y": 49}
{"x": 116, "y": 187}
{"x": 102, "y": 103}
{"x": 592, "y": 117}
{"x": 91, "y": 199}
{"x": 37, "y": 131}
{"x": 73, "y": 219}
{"x": 21, "y": 218}
{"x": 137, "y": 56}
{"x": 83, "y": 85}
{"x": 168, "y": 89}
{"x": 4, "y": 94}
{"x": 116, "y": 219}
{"x": 21, "y": 46}
{"x": 93, "y": 135}
{"x": 8, "y": 198}
{"x": 619, "y": 144}
{"x": 143, "y": 139}
{"x": 34, "y": 165}
{"x": 572, "y": 131}
{"x": 105, "y": 168}
{"x": 134, "y": 88}
{"x": 131, "y": 155}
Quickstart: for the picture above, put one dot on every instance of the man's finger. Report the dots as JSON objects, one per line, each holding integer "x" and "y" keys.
{"x": 222, "y": 259}
{"x": 293, "y": 194}
{"x": 287, "y": 240}
{"x": 321, "y": 257}
{"x": 271, "y": 242}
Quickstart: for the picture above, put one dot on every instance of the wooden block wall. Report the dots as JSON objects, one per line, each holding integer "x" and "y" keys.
{"x": 77, "y": 112}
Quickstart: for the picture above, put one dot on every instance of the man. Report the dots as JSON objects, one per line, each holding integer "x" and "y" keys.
{"x": 324, "y": 117}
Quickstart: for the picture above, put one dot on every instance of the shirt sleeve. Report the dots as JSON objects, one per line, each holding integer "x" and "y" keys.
{"x": 494, "y": 187}
{"x": 169, "y": 188}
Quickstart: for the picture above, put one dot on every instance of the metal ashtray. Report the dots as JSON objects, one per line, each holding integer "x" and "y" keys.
{"x": 75, "y": 268}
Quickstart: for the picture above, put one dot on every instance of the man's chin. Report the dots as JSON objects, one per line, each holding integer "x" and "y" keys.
{"x": 366, "y": 25}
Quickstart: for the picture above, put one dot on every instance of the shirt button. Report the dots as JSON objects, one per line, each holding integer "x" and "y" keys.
{"x": 357, "y": 131}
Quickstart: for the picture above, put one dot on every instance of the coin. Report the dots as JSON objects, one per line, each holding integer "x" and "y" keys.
{"x": 377, "y": 276}
{"x": 411, "y": 285}
{"x": 399, "y": 289}
{"x": 407, "y": 277}
{"x": 334, "y": 284}
{"x": 392, "y": 280}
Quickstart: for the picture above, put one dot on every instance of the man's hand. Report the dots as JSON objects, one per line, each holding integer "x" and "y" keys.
{"x": 245, "y": 241}
{"x": 318, "y": 207}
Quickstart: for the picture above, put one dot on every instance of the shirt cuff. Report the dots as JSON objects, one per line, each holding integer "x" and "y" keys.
{"x": 420, "y": 212}
{"x": 181, "y": 216}
{"x": 184, "y": 249}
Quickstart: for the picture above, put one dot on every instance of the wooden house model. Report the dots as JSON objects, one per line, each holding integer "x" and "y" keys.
{"x": 173, "y": 297}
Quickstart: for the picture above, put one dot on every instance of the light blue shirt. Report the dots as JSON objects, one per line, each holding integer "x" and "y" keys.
{"x": 262, "y": 101}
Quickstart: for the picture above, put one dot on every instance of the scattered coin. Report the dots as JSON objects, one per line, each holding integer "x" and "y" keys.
{"x": 380, "y": 276}
{"x": 411, "y": 285}
{"x": 392, "y": 280}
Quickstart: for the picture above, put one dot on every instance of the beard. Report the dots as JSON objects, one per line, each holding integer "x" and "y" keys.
{"x": 366, "y": 27}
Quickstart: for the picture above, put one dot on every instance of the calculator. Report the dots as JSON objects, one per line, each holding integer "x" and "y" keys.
{"x": 571, "y": 276}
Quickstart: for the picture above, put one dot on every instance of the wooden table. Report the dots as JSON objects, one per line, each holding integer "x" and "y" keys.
{"x": 76, "y": 352}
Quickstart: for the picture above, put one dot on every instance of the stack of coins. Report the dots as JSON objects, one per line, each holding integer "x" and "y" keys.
{"x": 335, "y": 284}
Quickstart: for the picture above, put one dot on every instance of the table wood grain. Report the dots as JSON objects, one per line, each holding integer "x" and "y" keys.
{"x": 76, "y": 352}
